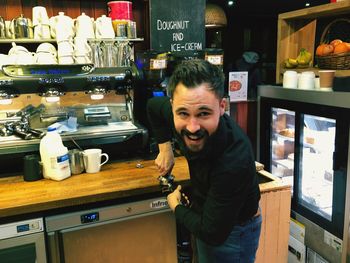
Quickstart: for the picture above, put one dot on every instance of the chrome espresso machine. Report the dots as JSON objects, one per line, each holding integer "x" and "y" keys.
{"x": 93, "y": 106}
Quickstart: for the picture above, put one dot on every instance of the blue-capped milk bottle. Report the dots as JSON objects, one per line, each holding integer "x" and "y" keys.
{"x": 54, "y": 156}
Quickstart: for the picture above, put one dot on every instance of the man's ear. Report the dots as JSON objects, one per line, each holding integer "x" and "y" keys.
{"x": 222, "y": 106}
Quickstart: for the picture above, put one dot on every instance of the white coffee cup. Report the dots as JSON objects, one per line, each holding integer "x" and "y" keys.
{"x": 42, "y": 31}
{"x": 65, "y": 47}
{"x": 39, "y": 15}
{"x": 66, "y": 59}
{"x": 92, "y": 160}
{"x": 45, "y": 58}
{"x": 46, "y": 48}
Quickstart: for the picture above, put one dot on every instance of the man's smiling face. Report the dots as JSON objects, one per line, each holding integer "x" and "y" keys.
{"x": 196, "y": 114}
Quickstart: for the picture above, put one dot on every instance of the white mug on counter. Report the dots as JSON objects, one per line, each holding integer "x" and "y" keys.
{"x": 92, "y": 160}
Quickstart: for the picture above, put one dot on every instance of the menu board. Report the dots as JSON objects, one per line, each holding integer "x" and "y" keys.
{"x": 177, "y": 25}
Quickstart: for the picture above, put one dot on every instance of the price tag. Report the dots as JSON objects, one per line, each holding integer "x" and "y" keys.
{"x": 215, "y": 59}
{"x": 158, "y": 63}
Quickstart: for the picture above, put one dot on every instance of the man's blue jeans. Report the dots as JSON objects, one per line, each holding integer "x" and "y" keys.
{"x": 239, "y": 247}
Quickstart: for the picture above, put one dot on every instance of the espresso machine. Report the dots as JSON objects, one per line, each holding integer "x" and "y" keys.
{"x": 94, "y": 107}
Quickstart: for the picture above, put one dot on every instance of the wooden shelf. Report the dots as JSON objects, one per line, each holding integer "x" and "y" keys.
{"x": 297, "y": 29}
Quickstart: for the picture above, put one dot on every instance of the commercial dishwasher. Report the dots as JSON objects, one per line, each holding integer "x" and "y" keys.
{"x": 138, "y": 231}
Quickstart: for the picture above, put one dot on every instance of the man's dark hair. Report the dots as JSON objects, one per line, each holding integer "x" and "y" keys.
{"x": 193, "y": 73}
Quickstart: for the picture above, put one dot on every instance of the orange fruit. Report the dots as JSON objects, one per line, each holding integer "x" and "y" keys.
{"x": 335, "y": 42}
{"x": 341, "y": 48}
{"x": 324, "y": 50}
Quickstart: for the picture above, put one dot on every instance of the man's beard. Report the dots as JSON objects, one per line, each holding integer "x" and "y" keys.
{"x": 200, "y": 135}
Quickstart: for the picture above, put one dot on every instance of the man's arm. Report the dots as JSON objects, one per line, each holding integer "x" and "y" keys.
{"x": 160, "y": 117}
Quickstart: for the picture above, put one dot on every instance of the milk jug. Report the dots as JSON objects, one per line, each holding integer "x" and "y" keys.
{"x": 54, "y": 156}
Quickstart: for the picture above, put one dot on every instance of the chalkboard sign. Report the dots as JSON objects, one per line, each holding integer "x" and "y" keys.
{"x": 177, "y": 25}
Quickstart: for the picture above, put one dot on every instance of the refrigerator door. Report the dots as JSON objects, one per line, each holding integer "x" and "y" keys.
{"x": 316, "y": 165}
{"x": 282, "y": 144}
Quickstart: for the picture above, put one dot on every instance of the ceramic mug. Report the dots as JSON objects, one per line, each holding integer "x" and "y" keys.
{"x": 42, "y": 31}
{"x": 66, "y": 59}
{"x": 45, "y": 58}
{"x": 92, "y": 160}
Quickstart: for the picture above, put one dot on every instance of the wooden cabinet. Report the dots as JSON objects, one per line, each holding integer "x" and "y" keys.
{"x": 275, "y": 209}
{"x": 297, "y": 29}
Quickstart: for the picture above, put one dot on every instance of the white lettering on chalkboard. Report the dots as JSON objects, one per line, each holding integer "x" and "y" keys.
{"x": 187, "y": 47}
{"x": 172, "y": 25}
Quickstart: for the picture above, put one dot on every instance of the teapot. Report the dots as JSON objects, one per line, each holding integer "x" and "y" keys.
{"x": 84, "y": 26}
{"x": 22, "y": 27}
{"x": 104, "y": 27}
{"x": 62, "y": 27}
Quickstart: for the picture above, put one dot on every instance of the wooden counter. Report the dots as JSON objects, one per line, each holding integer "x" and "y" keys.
{"x": 115, "y": 180}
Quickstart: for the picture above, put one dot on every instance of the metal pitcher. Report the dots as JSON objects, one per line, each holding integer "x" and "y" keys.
{"x": 2, "y": 28}
{"x": 22, "y": 27}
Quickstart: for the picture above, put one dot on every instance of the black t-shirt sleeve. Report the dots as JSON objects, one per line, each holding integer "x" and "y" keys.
{"x": 160, "y": 117}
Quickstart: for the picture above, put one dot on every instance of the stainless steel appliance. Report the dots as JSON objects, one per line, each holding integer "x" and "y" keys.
{"x": 304, "y": 140}
{"x": 23, "y": 241}
{"x": 139, "y": 231}
{"x": 67, "y": 94}
{"x": 23, "y": 27}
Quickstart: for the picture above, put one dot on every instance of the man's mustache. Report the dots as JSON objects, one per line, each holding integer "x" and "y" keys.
{"x": 199, "y": 134}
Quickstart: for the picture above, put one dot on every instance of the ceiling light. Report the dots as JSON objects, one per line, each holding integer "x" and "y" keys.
{"x": 307, "y": 4}
{"x": 230, "y": 3}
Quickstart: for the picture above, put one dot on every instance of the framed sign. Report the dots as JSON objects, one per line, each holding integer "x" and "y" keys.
{"x": 238, "y": 85}
{"x": 177, "y": 25}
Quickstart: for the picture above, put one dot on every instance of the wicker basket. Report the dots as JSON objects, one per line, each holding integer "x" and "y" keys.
{"x": 336, "y": 61}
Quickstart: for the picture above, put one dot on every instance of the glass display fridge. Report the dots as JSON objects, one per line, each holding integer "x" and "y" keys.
{"x": 303, "y": 138}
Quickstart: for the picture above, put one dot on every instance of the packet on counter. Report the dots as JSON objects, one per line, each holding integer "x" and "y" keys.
{"x": 70, "y": 125}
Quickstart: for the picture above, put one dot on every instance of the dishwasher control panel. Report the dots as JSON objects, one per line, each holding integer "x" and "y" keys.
{"x": 90, "y": 217}
{"x": 21, "y": 228}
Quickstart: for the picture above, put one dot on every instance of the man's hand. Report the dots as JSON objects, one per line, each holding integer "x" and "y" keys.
{"x": 177, "y": 198}
{"x": 165, "y": 160}
{"x": 174, "y": 198}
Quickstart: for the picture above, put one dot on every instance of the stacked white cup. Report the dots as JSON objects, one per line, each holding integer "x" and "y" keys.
{"x": 290, "y": 79}
{"x": 19, "y": 55}
{"x": 82, "y": 51}
{"x": 65, "y": 52}
{"x": 46, "y": 54}
{"x": 62, "y": 28}
{"x": 41, "y": 23}
{"x": 306, "y": 80}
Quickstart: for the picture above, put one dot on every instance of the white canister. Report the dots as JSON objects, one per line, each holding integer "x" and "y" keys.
{"x": 307, "y": 80}
{"x": 290, "y": 79}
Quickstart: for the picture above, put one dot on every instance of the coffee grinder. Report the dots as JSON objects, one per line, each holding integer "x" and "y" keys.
{"x": 152, "y": 66}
